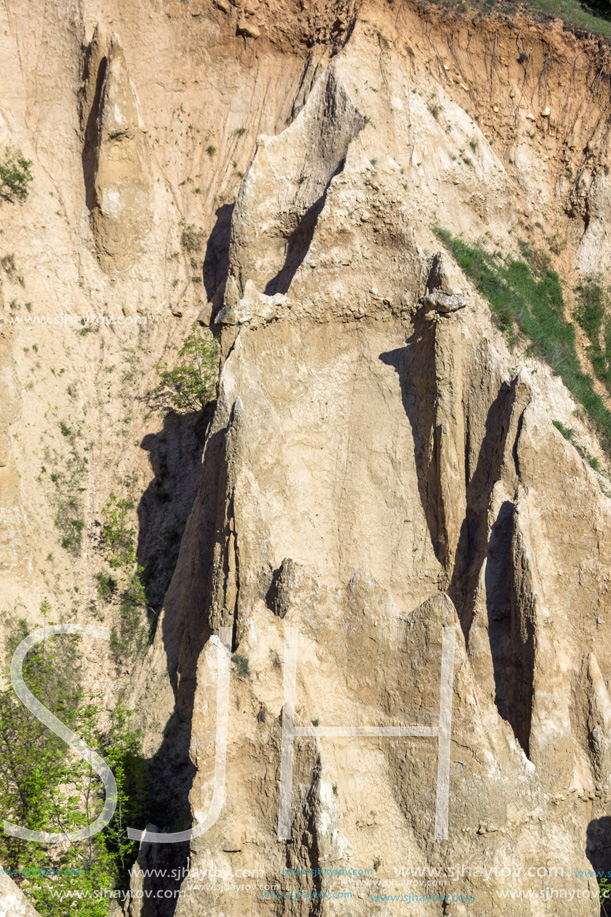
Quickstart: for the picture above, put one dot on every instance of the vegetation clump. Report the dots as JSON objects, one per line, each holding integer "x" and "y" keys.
{"x": 15, "y": 176}
{"x": 594, "y": 316}
{"x": 241, "y": 664}
{"x": 47, "y": 787}
{"x": 526, "y": 299}
{"x": 191, "y": 385}
{"x": 119, "y": 541}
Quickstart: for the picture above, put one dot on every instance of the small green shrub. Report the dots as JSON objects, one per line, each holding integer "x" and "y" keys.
{"x": 241, "y": 664}
{"x": 192, "y": 384}
{"x": 210, "y": 150}
{"x": 107, "y": 586}
{"x": 73, "y": 538}
{"x": 9, "y": 267}
{"x": 377, "y": 863}
{"x": 118, "y": 532}
{"x": 15, "y": 176}
{"x": 192, "y": 239}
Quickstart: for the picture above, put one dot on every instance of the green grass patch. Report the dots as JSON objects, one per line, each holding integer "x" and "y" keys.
{"x": 594, "y": 316}
{"x": 593, "y": 15}
{"x": 526, "y": 298}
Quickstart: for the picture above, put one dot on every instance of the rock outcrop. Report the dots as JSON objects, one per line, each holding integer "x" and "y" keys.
{"x": 381, "y": 476}
{"x": 12, "y": 900}
{"x": 115, "y": 157}
{"x": 377, "y": 472}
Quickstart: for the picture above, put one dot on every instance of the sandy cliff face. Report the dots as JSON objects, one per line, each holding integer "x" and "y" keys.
{"x": 379, "y": 467}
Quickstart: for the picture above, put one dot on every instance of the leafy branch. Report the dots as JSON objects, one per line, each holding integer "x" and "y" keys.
{"x": 15, "y": 176}
{"x": 191, "y": 385}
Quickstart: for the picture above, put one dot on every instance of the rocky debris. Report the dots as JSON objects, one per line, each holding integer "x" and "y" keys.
{"x": 253, "y": 305}
{"x": 440, "y": 301}
{"x": 249, "y": 29}
{"x": 283, "y": 587}
{"x": 204, "y": 316}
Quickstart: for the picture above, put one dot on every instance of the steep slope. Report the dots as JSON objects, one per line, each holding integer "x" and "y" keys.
{"x": 369, "y": 452}
{"x": 380, "y": 464}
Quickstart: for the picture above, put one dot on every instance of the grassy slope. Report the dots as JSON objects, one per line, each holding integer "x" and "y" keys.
{"x": 526, "y": 299}
{"x": 592, "y": 15}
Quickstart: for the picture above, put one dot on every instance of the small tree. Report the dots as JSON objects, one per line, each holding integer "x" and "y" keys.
{"x": 15, "y": 176}
{"x": 192, "y": 384}
{"x": 47, "y": 787}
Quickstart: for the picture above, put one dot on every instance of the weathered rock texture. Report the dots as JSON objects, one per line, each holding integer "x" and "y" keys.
{"x": 115, "y": 156}
{"x": 379, "y": 465}
{"x": 13, "y": 901}
{"x": 375, "y": 471}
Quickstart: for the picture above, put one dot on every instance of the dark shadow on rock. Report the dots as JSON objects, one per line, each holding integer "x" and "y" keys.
{"x": 415, "y": 366}
{"x": 471, "y": 550}
{"x": 90, "y": 146}
{"x": 498, "y": 601}
{"x": 169, "y": 778}
{"x": 598, "y": 852}
{"x": 513, "y": 652}
{"x": 183, "y": 495}
{"x": 216, "y": 259}
{"x": 175, "y": 456}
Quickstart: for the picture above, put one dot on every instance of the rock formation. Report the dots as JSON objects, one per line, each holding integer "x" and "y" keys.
{"x": 382, "y": 481}
{"x": 115, "y": 156}
{"x": 371, "y": 477}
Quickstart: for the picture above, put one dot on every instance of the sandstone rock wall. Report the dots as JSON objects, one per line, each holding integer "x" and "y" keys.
{"x": 384, "y": 469}
{"x": 379, "y": 465}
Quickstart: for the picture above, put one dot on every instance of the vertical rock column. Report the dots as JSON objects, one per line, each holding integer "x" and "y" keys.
{"x": 449, "y": 439}
{"x": 441, "y": 300}
{"x": 115, "y": 160}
